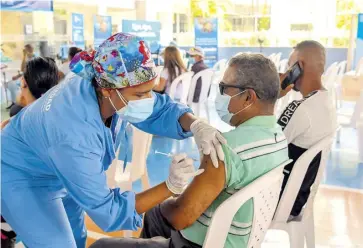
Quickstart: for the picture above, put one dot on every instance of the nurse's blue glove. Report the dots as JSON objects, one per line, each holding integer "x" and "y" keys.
{"x": 209, "y": 140}
{"x": 180, "y": 172}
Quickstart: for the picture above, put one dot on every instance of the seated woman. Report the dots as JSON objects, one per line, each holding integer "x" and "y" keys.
{"x": 257, "y": 145}
{"x": 173, "y": 67}
{"x": 40, "y": 75}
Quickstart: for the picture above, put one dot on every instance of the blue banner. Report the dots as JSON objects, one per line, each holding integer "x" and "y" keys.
{"x": 102, "y": 29}
{"x": 27, "y": 5}
{"x": 149, "y": 31}
{"x": 206, "y": 37}
{"x": 359, "y": 42}
{"x": 78, "y": 30}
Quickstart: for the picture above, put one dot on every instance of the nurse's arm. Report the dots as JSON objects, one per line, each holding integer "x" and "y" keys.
{"x": 184, "y": 210}
{"x": 169, "y": 119}
{"x": 79, "y": 168}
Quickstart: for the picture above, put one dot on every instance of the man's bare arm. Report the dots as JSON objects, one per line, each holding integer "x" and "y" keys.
{"x": 203, "y": 190}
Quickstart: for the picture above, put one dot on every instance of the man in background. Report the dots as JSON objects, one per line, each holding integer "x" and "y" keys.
{"x": 197, "y": 54}
{"x": 310, "y": 119}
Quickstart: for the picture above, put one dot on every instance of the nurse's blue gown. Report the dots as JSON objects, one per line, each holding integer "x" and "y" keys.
{"x": 54, "y": 157}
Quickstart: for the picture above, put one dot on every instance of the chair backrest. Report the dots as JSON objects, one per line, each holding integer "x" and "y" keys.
{"x": 220, "y": 65}
{"x": 265, "y": 192}
{"x": 283, "y": 66}
{"x": 341, "y": 67}
{"x": 185, "y": 79}
{"x": 359, "y": 68}
{"x": 272, "y": 56}
{"x": 277, "y": 59}
{"x": 206, "y": 76}
{"x": 330, "y": 76}
{"x": 141, "y": 143}
{"x": 358, "y": 110}
{"x": 158, "y": 72}
{"x": 297, "y": 176}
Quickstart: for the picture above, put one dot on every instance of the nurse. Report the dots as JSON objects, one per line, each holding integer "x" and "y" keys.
{"x": 55, "y": 152}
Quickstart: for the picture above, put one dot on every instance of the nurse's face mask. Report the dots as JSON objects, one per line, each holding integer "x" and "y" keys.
{"x": 134, "y": 111}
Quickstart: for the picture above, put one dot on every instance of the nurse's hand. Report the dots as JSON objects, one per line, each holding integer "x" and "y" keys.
{"x": 209, "y": 140}
{"x": 180, "y": 172}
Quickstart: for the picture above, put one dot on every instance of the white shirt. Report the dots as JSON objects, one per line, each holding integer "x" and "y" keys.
{"x": 307, "y": 121}
{"x": 165, "y": 74}
{"x": 65, "y": 68}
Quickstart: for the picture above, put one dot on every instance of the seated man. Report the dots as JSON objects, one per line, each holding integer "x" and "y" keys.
{"x": 247, "y": 97}
{"x": 310, "y": 119}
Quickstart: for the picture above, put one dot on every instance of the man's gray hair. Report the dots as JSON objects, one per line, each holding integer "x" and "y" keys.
{"x": 257, "y": 72}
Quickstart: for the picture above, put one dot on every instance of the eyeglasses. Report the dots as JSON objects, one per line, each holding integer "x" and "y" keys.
{"x": 223, "y": 86}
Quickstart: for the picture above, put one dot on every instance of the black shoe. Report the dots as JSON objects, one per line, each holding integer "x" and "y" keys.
{"x": 12, "y": 104}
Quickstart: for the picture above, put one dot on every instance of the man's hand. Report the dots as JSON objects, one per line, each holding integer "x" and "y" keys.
{"x": 209, "y": 140}
{"x": 283, "y": 92}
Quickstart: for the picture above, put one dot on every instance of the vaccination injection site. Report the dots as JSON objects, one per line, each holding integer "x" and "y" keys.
{"x": 181, "y": 123}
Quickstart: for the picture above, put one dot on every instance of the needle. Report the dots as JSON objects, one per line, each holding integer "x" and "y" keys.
{"x": 171, "y": 155}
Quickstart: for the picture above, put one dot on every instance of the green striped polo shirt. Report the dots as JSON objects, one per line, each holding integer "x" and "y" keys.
{"x": 253, "y": 148}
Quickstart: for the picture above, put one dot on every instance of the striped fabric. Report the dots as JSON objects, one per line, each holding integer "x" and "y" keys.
{"x": 254, "y": 148}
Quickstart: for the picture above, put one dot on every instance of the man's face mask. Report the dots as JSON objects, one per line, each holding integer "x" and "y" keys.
{"x": 222, "y": 104}
{"x": 135, "y": 111}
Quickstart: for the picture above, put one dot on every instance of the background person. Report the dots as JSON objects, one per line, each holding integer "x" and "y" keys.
{"x": 309, "y": 120}
{"x": 40, "y": 75}
{"x": 246, "y": 101}
{"x": 173, "y": 67}
{"x": 32, "y": 84}
{"x": 197, "y": 54}
{"x": 13, "y": 86}
{"x": 61, "y": 159}
{"x": 64, "y": 68}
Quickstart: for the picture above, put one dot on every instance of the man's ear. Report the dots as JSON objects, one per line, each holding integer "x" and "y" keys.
{"x": 251, "y": 96}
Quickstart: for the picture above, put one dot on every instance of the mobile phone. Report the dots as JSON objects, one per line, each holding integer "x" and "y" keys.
{"x": 294, "y": 74}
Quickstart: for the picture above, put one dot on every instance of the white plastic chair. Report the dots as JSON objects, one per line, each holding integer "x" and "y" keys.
{"x": 338, "y": 82}
{"x": 330, "y": 76}
{"x": 277, "y": 59}
{"x": 136, "y": 169}
{"x": 358, "y": 69}
{"x": 302, "y": 227}
{"x": 206, "y": 76}
{"x": 185, "y": 79}
{"x": 220, "y": 65}
{"x": 158, "y": 72}
{"x": 347, "y": 121}
{"x": 265, "y": 192}
{"x": 282, "y": 68}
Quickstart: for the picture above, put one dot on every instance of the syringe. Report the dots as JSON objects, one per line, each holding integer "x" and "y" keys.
{"x": 171, "y": 155}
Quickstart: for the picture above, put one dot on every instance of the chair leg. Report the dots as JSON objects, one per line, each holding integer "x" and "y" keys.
{"x": 338, "y": 136}
{"x": 207, "y": 110}
{"x": 296, "y": 236}
{"x": 310, "y": 232}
